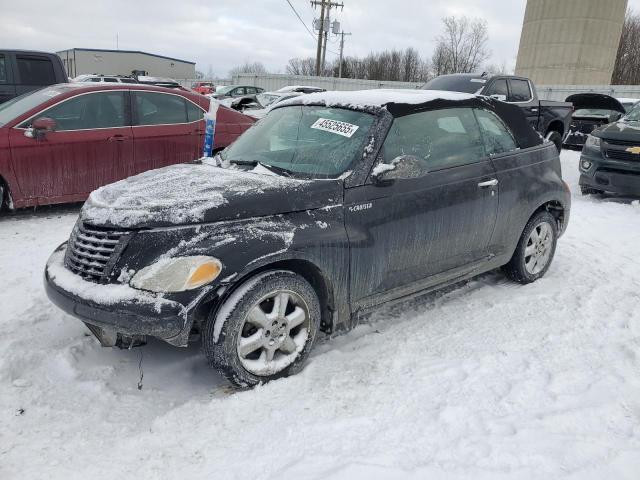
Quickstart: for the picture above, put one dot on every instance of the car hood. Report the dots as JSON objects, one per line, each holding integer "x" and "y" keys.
{"x": 595, "y": 101}
{"x": 629, "y": 131}
{"x": 202, "y": 193}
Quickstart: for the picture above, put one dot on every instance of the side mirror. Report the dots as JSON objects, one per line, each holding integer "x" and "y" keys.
{"x": 40, "y": 127}
{"x": 502, "y": 98}
{"x": 402, "y": 167}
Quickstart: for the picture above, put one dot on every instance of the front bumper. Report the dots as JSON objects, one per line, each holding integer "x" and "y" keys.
{"x": 116, "y": 308}
{"x": 610, "y": 175}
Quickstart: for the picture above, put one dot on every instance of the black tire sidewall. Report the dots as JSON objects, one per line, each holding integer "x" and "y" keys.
{"x": 222, "y": 352}
{"x": 516, "y": 268}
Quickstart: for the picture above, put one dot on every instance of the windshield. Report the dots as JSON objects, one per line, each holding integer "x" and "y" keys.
{"x": 598, "y": 112}
{"x": 633, "y": 115}
{"x": 456, "y": 83}
{"x": 267, "y": 99}
{"x": 307, "y": 141}
{"x": 22, "y": 104}
{"x": 224, "y": 90}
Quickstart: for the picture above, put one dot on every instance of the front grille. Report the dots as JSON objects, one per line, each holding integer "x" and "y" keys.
{"x": 92, "y": 251}
{"x": 623, "y": 143}
{"x": 622, "y": 155}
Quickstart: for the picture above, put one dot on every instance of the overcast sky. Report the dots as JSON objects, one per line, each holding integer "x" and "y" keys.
{"x": 220, "y": 34}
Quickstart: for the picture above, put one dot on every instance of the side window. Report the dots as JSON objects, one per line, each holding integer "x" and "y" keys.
{"x": 497, "y": 137}
{"x": 85, "y": 112}
{"x": 110, "y": 80}
{"x": 4, "y": 78}
{"x": 251, "y": 91}
{"x": 520, "y": 91}
{"x": 194, "y": 113}
{"x": 438, "y": 139}
{"x": 35, "y": 70}
{"x": 238, "y": 91}
{"x": 499, "y": 87}
{"x": 160, "y": 109}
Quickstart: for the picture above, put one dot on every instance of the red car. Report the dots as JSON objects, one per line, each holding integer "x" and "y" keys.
{"x": 60, "y": 143}
{"x": 203, "y": 88}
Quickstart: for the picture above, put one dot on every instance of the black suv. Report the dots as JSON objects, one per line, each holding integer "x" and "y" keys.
{"x": 331, "y": 205}
{"x": 610, "y": 160}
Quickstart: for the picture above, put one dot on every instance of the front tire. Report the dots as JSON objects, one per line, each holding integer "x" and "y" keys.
{"x": 535, "y": 250}
{"x": 264, "y": 330}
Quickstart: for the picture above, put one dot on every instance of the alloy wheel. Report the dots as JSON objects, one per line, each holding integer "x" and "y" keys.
{"x": 538, "y": 249}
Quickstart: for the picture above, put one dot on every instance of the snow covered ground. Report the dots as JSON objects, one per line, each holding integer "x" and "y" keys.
{"x": 487, "y": 380}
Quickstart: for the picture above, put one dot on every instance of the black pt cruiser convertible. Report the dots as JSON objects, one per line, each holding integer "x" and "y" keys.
{"x": 331, "y": 205}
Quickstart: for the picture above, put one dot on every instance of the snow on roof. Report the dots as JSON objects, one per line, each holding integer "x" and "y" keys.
{"x": 376, "y": 98}
{"x": 293, "y": 88}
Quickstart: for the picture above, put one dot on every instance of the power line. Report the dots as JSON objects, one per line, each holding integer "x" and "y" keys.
{"x": 302, "y": 21}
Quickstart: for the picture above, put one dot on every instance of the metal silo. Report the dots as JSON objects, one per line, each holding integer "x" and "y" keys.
{"x": 570, "y": 42}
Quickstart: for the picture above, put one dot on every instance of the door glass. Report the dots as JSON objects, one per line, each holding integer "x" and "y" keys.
{"x": 251, "y": 91}
{"x": 499, "y": 87}
{"x": 438, "y": 139}
{"x": 497, "y": 137}
{"x": 110, "y": 80}
{"x": 35, "y": 70}
{"x": 520, "y": 91}
{"x": 194, "y": 113}
{"x": 3, "y": 70}
{"x": 238, "y": 91}
{"x": 160, "y": 109}
{"x": 94, "y": 110}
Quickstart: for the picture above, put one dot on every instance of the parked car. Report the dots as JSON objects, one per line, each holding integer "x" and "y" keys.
{"x": 98, "y": 78}
{"x": 22, "y": 71}
{"x": 591, "y": 110}
{"x": 203, "y": 88}
{"x": 331, "y": 205}
{"x": 160, "y": 82}
{"x": 610, "y": 160}
{"x": 59, "y": 143}
{"x": 300, "y": 89}
{"x": 233, "y": 91}
{"x": 262, "y": 104}
{"x": 550, "y": 119}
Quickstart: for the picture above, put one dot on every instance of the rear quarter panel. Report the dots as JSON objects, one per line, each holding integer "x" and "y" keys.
{"x": 527, "y": 179}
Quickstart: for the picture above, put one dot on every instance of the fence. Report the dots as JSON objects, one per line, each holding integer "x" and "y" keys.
{"x": 272, "y": 82}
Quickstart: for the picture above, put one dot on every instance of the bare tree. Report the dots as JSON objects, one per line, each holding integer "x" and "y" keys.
{"x": 302, "y": 66}
{"x": 462, "y": 47}
{"x": 255, "y": 67}
{"x": 627, "y": 67}
{"x": 498, "y": 69}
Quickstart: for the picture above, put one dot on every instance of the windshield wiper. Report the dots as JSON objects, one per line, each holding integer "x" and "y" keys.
{"x": 273, "y": 168}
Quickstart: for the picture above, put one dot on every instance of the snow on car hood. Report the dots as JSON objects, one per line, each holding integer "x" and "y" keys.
{"x": 195, "y": 193}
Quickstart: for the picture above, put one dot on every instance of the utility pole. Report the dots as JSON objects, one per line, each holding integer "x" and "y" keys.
{"x": 342, "y": 34}
{"x": 321, "y": 52}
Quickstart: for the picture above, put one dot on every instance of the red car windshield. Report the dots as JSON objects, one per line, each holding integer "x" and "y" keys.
{"x": 20, "y": 105}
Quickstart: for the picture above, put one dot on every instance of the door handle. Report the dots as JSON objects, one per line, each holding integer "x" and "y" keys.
{"x": 117, "y": 138}
{"x": 489, "y": 183}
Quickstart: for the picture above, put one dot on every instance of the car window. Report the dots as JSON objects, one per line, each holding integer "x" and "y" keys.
{"x": 35, "y": 70}
{"x": 194, "y": 113}
{"x": 499, "y": 87}
{"x": 250, "y": 90}
{"x": 438, "y": 139}
{"x": 3, "y": 70}
{"x": 85, "y": 112}
{"x": 110, "y": 80}
{"x": 496, "y": 136}
{"x": 128, "y": 80}
{"x": 520, "y": 91}
{"x": 160, "y": 109}
{"x": 239, "y": 91}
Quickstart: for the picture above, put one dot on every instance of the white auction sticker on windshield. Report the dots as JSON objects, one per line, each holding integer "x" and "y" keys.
{"x": 341, "y": 128}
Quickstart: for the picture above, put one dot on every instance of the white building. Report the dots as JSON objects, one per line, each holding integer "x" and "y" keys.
{"x": 78, "y": 61}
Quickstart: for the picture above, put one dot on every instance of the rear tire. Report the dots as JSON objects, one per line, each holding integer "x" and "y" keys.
{"x": 535, "y": 250}
{"x": 589, "y": 191}
{"x": 269, "y": 325}
{"x": 556, "y": 138}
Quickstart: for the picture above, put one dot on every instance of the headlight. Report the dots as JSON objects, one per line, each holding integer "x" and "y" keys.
{"x": 586, "y": 164}
{"x": 592, "y": 142}
{"x": 177, "y": 274}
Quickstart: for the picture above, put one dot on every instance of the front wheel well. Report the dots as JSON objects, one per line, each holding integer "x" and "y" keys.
{"x": 555, "y": 126}
{"x": 556, "y": 209}
{"x": 5, "y": 194}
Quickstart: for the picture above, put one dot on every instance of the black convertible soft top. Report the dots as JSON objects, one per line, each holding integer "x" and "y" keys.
{"x": 405, "y": 102}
